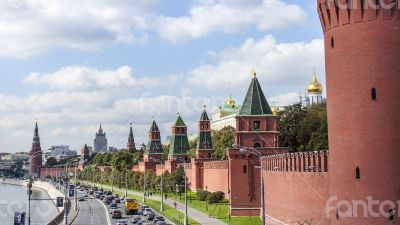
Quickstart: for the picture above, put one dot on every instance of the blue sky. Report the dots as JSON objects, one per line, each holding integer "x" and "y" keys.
{"x": 121, "y": 61}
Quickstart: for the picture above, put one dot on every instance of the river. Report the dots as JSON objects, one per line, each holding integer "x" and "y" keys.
{"x": 15, "y": 199}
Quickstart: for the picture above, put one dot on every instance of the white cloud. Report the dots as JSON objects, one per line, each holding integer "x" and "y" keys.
{"x": 279, "y": 65}
{"x": 29, "y": 27}
{"x": 75, "y": 99}
{"x": 86, "y": 78}
{"x": 229, "y": 16}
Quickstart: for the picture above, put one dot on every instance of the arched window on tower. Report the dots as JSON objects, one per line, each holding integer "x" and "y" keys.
{"x": 245, "y": 169}
{"x": 358, "y": 176}
{"x": 257, "y": 145}
{"x": 373, "y": 94}
{"x": 332, "y": 43}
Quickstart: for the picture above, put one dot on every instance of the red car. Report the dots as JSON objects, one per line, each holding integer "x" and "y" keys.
{"x": 116, "y": 214}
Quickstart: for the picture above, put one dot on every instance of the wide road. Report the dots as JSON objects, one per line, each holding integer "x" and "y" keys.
{"x": 92, "y": 212}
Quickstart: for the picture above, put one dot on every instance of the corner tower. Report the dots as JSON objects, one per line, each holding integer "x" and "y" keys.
{"x": 362, "y": 51}
{"x": 35, "y": 154}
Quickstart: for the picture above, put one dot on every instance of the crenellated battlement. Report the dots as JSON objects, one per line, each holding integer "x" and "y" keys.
{"x": 335, "y": 13}
{"x": 298, "y": 162}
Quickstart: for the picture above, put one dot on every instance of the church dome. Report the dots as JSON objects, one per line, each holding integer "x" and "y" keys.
{"x": 230, "y": 102}
{"x": 315, "y": 87}
{"x": 274, "y": 110}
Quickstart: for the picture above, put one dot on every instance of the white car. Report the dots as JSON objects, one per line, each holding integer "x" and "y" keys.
{"x": 122, "y": 222}
{"x": 147, "y": 211}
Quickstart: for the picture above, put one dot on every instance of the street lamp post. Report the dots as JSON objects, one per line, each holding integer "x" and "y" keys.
{"x": 144, "y": 186}
{"x": 186, "y": 220}
{"x": 260, "y": 157}
{"x": 162, "y": 185}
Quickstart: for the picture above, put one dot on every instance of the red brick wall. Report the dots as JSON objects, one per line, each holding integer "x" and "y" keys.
{"x": 293, "y": 197}
{"x": 216, "y": 176}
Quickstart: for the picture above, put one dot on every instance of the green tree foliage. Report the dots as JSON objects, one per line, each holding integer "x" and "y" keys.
{"x": 303, "y": 129}
{"x": 122, "y": 160}
{"x": 222, "y": 140}
{"x": 193, "y": 147}
{"x": 51, "y": 162}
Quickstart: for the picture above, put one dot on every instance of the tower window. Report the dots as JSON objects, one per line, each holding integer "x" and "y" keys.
{"x": 256, "y": 125}
{"x": 332, "y": 43}
{"x": 245, "y": 169}
{"x": 373, "y": 94}
{"x": 257, "y": 145}
{"x": 358, "y": 173}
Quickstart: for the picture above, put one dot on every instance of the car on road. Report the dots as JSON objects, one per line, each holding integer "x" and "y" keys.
{"x": 159, "y": 219}
{"x": 108, "y": 201}
{"x": 117, "y": 200}
{"x": 85, "y": 195}
{"x": 116, "y": 214}
{"x": 147, "y": 211}
{"x": 122, "y": 222}
{"x": 81, "y": 199}
{"x": 150, "y": 216}
{"x": 161, "y": 223}
{"x": 135, "y": 219}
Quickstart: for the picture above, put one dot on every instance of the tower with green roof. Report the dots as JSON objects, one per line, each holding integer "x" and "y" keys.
{"x": 205, "y": 145}
{"x": 179, "y": 146}
{"x": 131, "y": 146}
{"x": 255, "y": 128}
{"x": 154, "y": 149}
{"x": 255, "y": 123}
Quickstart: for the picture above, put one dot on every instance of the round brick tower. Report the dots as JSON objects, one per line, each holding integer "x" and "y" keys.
{"x": 362, "y": 47}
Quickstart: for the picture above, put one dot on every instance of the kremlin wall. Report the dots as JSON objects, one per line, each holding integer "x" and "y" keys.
{"x": 362, "y": 47}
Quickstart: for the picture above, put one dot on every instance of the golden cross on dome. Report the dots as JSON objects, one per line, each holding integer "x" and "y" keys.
{"x": 254, "y": 72}
{"x": 154, "y": 115}
{"x": 204, "y": 106}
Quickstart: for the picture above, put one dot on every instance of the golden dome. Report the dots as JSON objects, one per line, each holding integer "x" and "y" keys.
{"x": 315, "y": 87}
{"x": 230, "y": 101}
{"x": 274, "y": 110}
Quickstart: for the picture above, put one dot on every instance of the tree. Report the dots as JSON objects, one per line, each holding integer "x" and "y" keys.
{"x": 303, "y": 129}
{"x": 193, "y": 147}
{"x": 51, "y": 162}
{"x": 122, "y": 160}
{"x": 222, "y": 140}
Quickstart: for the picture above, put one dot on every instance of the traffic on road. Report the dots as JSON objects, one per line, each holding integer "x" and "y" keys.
{"x": 122, "y": 211}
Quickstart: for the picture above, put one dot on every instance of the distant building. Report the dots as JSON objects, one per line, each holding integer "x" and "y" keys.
{"x": 225, "y": 116}
{"x": 17, "y": 157}
{"x": 59, "y": 152}
{"x": 100, "y": 141}
{"x": 313, "y": 95}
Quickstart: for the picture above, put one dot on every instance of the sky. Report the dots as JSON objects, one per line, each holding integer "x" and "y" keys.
{"x": 75, "y": 64}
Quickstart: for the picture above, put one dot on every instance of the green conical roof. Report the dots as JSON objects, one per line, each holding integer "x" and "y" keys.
{"x": 179, "y": 122}
{"x": 255, "y": 102}
{"x": 204, "y": 116}
{"x": 154, "y": 127}
{"x": 131, "y": 133}
{"x": 36, "y": 138}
